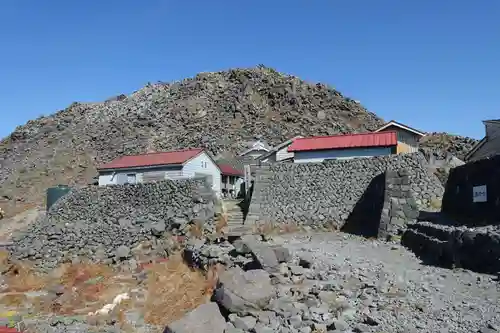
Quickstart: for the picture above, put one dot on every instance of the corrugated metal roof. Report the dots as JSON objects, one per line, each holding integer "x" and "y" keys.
{"x": 228, "y": 170}
{"x": 152, "y": 159}
{"x": 380, "y": 139}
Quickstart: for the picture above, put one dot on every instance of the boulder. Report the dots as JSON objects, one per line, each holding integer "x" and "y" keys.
{"x": 241, "y": 292}
{"x": 262, "y": 253}
{"x": 204, "y": 319}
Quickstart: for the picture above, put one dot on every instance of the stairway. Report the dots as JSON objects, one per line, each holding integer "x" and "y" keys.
{"x": 235, "y": 219}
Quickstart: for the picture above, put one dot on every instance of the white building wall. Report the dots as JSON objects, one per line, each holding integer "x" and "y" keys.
{"x": 204, "y": 165}
{"x": 111, "y": 177}
{"x": 284, "y": 154}
{"x": 315, "y": 156}
{"x": 106, "y": 179}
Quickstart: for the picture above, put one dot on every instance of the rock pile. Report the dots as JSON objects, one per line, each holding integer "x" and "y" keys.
{"x": 106, "y": 223}
{"x": 327, "y": 193}
{"x": 337, "y": 283}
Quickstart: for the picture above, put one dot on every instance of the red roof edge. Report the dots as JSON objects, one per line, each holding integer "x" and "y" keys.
{"x": 345, "y": 141}
{"x": 228, "y": 170}
{"x": 115, "y": 164}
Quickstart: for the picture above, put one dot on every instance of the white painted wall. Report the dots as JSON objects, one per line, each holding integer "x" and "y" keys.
{"x": 203, "y": 164}
{"x": 322, "y": 155}
{"x": 111, "y": 178}
{"x": 284, "y": 154}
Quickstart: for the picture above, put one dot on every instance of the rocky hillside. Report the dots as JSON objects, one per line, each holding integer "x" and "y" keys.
{"x": 440, "y": 143}
{"x": 219, "y": 111}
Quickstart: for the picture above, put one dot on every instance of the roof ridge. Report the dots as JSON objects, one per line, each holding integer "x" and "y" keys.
{"x": 339, "y": 135}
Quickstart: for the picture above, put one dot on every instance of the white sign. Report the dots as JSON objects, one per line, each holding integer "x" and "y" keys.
{"x": 479, "y": 194}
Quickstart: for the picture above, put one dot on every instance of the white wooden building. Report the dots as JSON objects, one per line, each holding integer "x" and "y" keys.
{"x": 182, "y": 164}
{"x": 255, "y": 149}
{"x": 279, "y": 153}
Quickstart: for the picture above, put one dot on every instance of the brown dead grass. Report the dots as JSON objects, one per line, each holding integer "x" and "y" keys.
{"x": 20, "y": 277}
{"x": 13, "y": 300}
{"x": 221, "y": 223}
{"x": 79, "y": 273}
{"x": 196, "y": 229}
{"x": 174, "y": 289}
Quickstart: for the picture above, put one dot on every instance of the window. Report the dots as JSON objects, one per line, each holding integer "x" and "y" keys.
{"x": 203, "y": 164}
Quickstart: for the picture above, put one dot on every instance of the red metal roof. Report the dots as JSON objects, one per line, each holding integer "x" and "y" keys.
{"x": 379, "y": 139}
{"x": 228, "y": 170}
{"x": 152, "y": 159}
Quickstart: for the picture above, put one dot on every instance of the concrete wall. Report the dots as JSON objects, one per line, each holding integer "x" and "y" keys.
{"x": 458, "y": 200}
{"x": 327, "y": 193}
{"x": 322, "y": 155}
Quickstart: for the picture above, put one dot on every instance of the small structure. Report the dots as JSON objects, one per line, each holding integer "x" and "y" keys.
{"x": 255, "y": 149}
{"x": 489, "y": 145}
{"x": 321, "y": 148}
{"x": 181, "y": 164}
{"x": 279, "y": 153}
{"x": 231, "y": 181}
{"x": 408, "y": 138}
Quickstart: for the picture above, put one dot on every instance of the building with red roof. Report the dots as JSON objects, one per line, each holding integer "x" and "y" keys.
{"x": 180, "y": 164}
{"x": 321, "y": 148}
{"x": 231, "y": 180}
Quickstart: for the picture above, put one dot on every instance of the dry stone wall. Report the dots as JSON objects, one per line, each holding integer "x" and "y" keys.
{"x": 105, "y": 223}
{"x": 328, "y": 193}
{"x": 449, "y": 246}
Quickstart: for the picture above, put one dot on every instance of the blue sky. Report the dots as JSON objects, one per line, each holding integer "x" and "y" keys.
{"x": 431, "y": 64}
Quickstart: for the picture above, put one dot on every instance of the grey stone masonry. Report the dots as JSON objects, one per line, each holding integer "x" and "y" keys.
{"x": 400, "y": 207}
{"x": 327, "y": 193}
{"x": 477, "y": 249}
{"x": 106, "y": 222}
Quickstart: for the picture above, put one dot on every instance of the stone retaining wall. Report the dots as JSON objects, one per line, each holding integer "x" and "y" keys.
{"x": 477, "y": 250}
{"x": 327, "y": 193}
{"x": 458, "y": 198}
{"x": 107, "y": 222}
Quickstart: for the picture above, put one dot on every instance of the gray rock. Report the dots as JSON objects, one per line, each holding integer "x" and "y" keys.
{"x": 204, "y": 319}
{"x": 262, "y": 252}
{"x": 158, "y": 228}
{"x": 245, "y": 323}
{"x": 282, "y": 253}
{"x": 241, "y": 292}
{"x": 233, "y": 330}
{"x": 122, "y": 252}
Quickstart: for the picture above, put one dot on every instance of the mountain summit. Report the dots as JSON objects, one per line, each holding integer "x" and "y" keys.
{"x": 220, "y": 111}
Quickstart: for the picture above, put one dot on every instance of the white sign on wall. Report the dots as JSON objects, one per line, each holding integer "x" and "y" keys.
{"x": 479, "y": 194}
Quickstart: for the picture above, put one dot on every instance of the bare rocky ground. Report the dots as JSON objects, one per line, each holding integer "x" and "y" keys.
{"x": 394, "y": 292}
{"x": 334, "y": 282}
{"x": 291, "y": 283}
